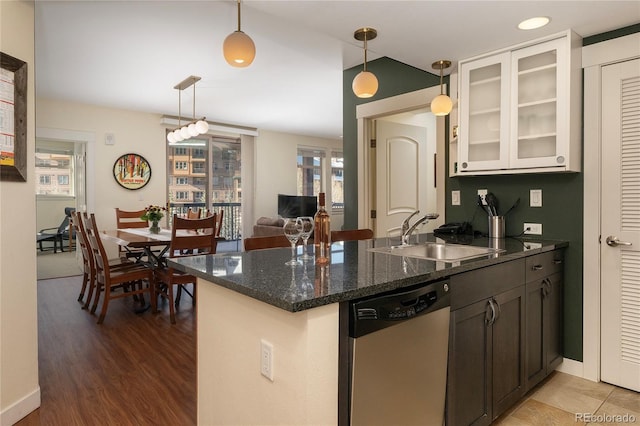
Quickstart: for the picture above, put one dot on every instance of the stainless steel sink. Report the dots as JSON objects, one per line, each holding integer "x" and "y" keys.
{"x": 438, "y": 251}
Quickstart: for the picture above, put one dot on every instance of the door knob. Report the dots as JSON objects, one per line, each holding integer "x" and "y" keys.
{"x": 614, "y": 241}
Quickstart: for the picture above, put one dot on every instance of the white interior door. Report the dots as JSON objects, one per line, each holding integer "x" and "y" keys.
{"x": 403, "y": 181}
{"x": 620, "y": 212}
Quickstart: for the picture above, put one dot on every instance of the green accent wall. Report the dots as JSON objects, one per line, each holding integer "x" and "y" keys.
{"x": 394, "y": 78}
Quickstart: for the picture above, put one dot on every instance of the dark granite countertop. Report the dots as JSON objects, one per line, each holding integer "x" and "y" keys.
{"x": 354, "y": 272}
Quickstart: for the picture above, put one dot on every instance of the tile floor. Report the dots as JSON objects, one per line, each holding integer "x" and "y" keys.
{"x": 564, "y": 399}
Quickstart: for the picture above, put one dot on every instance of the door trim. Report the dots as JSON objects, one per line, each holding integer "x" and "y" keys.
{"x": 393, "y": 105}
{"x": 77, "y": 136}
{"x": 594, "y": 58}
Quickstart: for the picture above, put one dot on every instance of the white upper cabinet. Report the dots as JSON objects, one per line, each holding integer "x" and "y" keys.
{"x": 520, "y": 109}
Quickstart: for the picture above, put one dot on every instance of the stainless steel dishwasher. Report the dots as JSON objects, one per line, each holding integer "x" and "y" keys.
{"x": 399, "y": 359}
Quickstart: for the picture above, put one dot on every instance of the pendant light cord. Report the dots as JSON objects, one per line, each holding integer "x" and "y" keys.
{"x": 239, "y": 14}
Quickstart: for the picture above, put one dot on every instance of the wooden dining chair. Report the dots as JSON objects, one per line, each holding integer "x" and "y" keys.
{"x": 80, "y": 222}
{"x": 193, "y": 214}
{"x": 351, "y": 234}
{"x": 130, "y": 219}
{"x": 189, "y": 237}
{"x": 259, "y": 243}
{"x": 109, "y": 279}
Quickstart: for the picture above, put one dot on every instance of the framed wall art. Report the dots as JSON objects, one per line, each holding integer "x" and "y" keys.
{"x": 13, "y": 119}
{"x": 132, "y": 171}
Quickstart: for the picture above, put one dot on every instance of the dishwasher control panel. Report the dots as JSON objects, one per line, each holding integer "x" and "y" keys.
{"x": 378, "y": 312}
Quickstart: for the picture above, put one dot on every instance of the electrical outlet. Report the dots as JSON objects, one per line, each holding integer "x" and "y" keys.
{"x": 455, "y": 198}
{"x": 266, "y": 359}
{"x": 533, "y": 228}
{"x": 483, "y": 193}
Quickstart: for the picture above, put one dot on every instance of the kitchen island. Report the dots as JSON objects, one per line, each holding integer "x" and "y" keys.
{"x": 247, "y": 301}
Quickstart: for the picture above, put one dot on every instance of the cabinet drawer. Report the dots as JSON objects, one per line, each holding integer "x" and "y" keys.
{"x": 544, "y": 264}
{"x": 483, "y": 283}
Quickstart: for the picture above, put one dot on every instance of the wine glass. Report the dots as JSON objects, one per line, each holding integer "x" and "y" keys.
{"x": 292, "y": 230}
{"x": 307, "y": 228}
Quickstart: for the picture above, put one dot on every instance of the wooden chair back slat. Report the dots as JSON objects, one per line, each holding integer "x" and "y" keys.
{"x": 193, "y": 236}
{"x": 259, "y": 243}
{"x": 352, "y": 234}
{"x": 130, "y": 219}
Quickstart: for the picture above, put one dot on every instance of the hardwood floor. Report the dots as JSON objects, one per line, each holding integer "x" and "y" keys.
{"x": 135, "y": 369}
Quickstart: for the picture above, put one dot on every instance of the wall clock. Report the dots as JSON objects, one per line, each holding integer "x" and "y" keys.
{"x": 132, "y": 171}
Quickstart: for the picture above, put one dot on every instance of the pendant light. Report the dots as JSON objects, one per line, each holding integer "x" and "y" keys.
{"x": 238, "y": 48}
{"x": 365, "y": 84}
{"x": 194, "y": 127}
{"x": 441, "y": 105}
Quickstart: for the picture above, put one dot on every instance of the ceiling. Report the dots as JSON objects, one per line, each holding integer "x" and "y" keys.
{"x": 130, "y": 54}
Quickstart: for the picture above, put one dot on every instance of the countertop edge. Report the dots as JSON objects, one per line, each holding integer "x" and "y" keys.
{"x": 366, "y": 291}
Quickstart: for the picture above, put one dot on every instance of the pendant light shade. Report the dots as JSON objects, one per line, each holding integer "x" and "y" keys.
{"x": 238, "y": 48}
{"x": 365, "y": 84}
{"x": 442, "y": 104}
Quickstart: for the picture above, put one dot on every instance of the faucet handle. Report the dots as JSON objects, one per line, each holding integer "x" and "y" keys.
{"x": 432, "y": 216}
{"x": 405, "y": 223}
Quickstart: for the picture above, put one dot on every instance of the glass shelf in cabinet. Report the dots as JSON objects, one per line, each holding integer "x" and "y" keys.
{"x": 485, "y": 111}
{"x": 485, "y": 81}
{"x": 536, "y": 103}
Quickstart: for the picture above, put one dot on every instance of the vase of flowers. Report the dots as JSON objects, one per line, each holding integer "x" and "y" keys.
{"x": 153, "y": 214}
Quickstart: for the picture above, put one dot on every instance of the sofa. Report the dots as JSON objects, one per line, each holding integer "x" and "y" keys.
{"x": 268, "y": 226}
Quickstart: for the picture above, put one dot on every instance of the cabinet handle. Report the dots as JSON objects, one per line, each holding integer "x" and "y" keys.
{"x": 489, "y": 321}
{"x": 550, "y": 288}
{"x": 537, "y": 267}
{"x": 498, "y": 310}
{"x": 557, "y": 261}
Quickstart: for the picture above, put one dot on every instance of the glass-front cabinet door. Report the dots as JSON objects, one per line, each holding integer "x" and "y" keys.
{"x": 484, "y": 114}
{"x": 539, "y": 104}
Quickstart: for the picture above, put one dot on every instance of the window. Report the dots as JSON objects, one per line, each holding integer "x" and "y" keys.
{"x": 206, "y": 173}
{"x": 199, "y": 167}
{"x": 337, "y": 181}
{"x": 54, "y": 171}
{"x": 310, "y": 164}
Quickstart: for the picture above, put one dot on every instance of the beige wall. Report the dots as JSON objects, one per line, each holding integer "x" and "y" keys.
{"x": 134, "y": 132}
{"x": 19, "y": 389}
{"x": 231, "y": 389}
{"x": 276, "y": 172}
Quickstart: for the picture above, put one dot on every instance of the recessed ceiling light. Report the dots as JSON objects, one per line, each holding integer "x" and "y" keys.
{"x": 533, "y": 23}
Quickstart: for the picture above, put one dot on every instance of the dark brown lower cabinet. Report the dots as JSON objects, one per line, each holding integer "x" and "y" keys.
{"x": 505, "y": 335}
{"x": 544, "y": 313}
{"x": 486, "y": 365}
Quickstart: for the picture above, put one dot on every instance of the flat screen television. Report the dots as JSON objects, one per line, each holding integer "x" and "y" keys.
{"x": 297, "y": 205}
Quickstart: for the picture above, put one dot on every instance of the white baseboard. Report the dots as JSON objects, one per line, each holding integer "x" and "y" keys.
{"x": 570, "y": 366}
{"x": 20, "y": 409}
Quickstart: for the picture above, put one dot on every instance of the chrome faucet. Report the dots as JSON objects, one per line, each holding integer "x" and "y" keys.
{"x": 408, "y": 230}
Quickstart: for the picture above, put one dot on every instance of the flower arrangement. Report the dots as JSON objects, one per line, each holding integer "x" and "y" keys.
{"x": 153, "y": 214}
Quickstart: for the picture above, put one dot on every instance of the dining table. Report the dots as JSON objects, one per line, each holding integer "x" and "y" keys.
{"x": 154, "y": 245}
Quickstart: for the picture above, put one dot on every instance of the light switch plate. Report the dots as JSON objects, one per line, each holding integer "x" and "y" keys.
{"x": 535, "y": 198}
{"x": 455, "y": 198}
